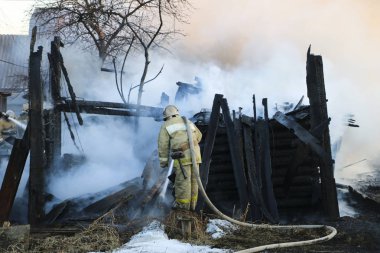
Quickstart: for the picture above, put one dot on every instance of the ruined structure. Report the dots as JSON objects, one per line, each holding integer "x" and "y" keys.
{"x": 255, "y": 167}
{"x": 272, "y": 167}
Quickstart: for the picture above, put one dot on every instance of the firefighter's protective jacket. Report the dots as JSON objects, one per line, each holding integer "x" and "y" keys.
{"x": 173, "y": 137}
{"x": 5, "y": 125}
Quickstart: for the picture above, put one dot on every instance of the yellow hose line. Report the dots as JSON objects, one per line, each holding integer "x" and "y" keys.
{"x": 332, "y": 230}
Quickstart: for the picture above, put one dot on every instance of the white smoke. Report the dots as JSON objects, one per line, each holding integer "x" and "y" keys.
{"x": 114, "y": 152}
{"x": 238, "y": 49}
{"x": 260, "y": 47}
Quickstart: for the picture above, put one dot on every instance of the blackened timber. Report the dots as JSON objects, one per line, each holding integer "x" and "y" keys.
{"x": 108, "y": 202}
{"x": 304, "y": 135}
{"x": 209, "y": 144}
{"x": 254, "y": 184}
{"x": 71, "y": 90}
{"x": 237, "y": 163}
{"x": 113, "y": 105}
{"x": 49, "y": 117}
{"x": 318, "y": 113}
{"x": 240, "y": 149}
{"x": 37, "y": 158}
{"x": 253, "y": 189}
{"x": 55, "y": 87}
{"x": 110, "y": 108}
{"x": 266, "y": 166}
{"x": 13, "y": 175}
{"x": 254, "y": 107}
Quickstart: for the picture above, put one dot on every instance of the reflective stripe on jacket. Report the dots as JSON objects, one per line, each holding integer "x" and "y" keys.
{"x": 173, "y": 137}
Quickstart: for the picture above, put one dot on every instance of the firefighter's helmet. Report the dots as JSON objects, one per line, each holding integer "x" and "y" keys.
{"x": 25, "y": 107}
{"x": 170, "y": 111}
{"x": 11, "y": 114}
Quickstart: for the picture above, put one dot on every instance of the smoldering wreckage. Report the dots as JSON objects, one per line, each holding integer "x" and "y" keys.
{"x": 261, "y": 171}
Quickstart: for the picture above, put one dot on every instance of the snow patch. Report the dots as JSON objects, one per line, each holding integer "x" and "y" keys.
{"x": 152, "y": 239}
{"x": 218, "y": 228}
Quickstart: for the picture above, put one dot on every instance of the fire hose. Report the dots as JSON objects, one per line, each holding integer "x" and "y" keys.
{"x": 332, "y": 230}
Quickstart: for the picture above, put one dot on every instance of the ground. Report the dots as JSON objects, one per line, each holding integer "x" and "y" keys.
{"x": 360, "y": 233}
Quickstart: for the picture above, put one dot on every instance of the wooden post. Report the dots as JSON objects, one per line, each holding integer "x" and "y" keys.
{"x": 37, "y": 158}
{"x": 55, "y": 86}
{"x": 318, "y": 114}
{"x": 240, "y": 150}
{"x": 49, "y": 116}
{"x": 3, "y": 101}
{"x": 237, "y": 163}
{"x": 254, "y": 108}
{"x": 209, "y": 145}
{"x": 266, "y": 166}
{"x": 13, "y": 175}
{"x": 253, "y": 189}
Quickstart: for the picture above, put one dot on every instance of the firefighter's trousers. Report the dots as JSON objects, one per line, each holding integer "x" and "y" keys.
{"x": 186, "y": 190}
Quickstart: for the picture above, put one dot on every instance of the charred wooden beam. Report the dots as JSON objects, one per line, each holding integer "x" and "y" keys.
{"x": 254, "y": 108}
{"x": 237, "y": 163}
{"x": 108, "y": 202}
{"x": 318, "y": 114}
{"x": 240, "y": 149}
{"x": 292, "y": 171}
{"x": 110, "y": 108}
{"x": 55, "y": 87}
{"x": 49, "y": 118}
{"x": 13, "y": 175}
{"x": 262, "y": 133}
{"x": 209, "y": 145}
{"x": 254, "y": 191}
{"x": 71, "y": 89}
{"x": 304, "y": 135}
{"x": 37, "y": 156}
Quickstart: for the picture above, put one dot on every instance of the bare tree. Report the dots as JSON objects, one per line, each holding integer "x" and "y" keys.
{"x": 106, "y": 24}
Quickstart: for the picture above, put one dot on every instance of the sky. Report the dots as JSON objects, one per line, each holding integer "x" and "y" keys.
{"x": 13, "y": 16}
{"x": 246, "y": 47}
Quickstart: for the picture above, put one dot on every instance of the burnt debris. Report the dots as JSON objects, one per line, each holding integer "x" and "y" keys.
{"x": 257, "y": 168}
{"x": 272, "y": 167}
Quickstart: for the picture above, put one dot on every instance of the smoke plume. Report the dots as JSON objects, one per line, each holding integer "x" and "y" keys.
{"x": 237, "y": 48}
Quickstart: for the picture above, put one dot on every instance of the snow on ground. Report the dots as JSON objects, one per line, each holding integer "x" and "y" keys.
{"x": 152, "y": 239}
{"x": 217, "y": 228}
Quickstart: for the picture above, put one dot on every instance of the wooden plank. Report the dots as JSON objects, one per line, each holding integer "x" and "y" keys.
{"x": 103, "y": 205}
{"x": 259, "y": 208}
{"x": 253, "y": 190}
{"x": 237, "y": 163}
{"x": 55, "y": 86}
{"x": 240, "y": 150}
{"x": 113, "y": 105}
{"x": 254, "y": 108}
{"x": 47, "y": 231}
{"x": 266, "y": 166}
{"x": 49, "y": 117}
{"x": 110, "y": 112}
{"x": 109, "y": 108}
{"x": 318, "y": 114}
{"x": 209, "y": 146}
{"x": 304, "y": 135}
{"x": 71, "y": 89}
{"x": 37, "y": 158}
{"x": 292, "y": 170}
{"x": 13, "y": 175}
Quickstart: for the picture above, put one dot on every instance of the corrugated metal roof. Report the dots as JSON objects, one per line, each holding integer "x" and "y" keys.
{"x": 14, "y": 54}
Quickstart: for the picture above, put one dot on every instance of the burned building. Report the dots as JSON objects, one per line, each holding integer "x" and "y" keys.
{"x": 259, "y": 168}
{"x": 271, "y": 168}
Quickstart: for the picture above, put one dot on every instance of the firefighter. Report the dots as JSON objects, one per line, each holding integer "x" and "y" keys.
{"x": 173, "y": 138}
{"x": 6, "y": 126}
{"x": 24, "y": 113}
